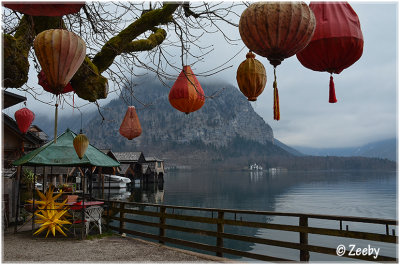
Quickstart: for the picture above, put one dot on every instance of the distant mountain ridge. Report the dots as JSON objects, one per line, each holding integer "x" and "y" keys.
{"x": 380, "y": 149}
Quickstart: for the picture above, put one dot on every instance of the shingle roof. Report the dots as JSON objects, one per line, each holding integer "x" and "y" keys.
{"x": 152, "y": 159}
{"x": 127, "y": 156}
{"x": 11, "y": 99}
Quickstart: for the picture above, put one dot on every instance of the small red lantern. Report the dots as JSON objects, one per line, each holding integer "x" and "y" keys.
{"x": 24, "y": 118}
{"x": 186, "y": 94}
{"x": 337, "y": 42}
{"x": 50, "y": 10}
{"x": 43, "y": 82}
{"x": 130, "y": 126}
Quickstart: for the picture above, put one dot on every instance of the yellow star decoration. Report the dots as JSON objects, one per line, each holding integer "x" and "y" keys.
{"x": 52, "y": 214}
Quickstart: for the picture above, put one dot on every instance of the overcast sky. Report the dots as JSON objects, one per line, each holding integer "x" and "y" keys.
{"x": 366, "y": 110}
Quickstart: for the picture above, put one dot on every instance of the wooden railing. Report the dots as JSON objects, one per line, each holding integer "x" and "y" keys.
{"x": 125, "y": 212}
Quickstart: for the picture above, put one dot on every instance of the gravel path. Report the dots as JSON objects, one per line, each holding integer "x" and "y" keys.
{"x": 22, "y": 247}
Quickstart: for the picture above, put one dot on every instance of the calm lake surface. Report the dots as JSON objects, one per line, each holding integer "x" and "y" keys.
{"x": 362, "y": 194}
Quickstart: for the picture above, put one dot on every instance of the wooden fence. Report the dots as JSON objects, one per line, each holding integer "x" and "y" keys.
{"x": 125, "y": 212}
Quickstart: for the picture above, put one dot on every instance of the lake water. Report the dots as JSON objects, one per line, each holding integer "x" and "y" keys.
{"x": 362, "y": 194}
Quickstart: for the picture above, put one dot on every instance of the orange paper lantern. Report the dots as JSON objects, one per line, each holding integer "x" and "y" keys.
{"x": 81, "y": 143}
{"x": 186, "y": 94}
{"x": 130, "y": 126}
{"x": 60, "y": 53}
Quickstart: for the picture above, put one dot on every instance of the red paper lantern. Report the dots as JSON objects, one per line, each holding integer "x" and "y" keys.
{"x": 24, "y": 118}
{"x": 277, "y": 30}
{"x": 43, "y": 82}
{"x": 50, "y": 10}
{"x": 337, "y": 42}
{"x": 130, "y": 126}
{"x": 186, "y": 94}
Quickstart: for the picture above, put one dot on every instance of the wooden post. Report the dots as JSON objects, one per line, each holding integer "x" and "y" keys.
{"x": 102, "y": 181}
{"x": 162, "y": 222}
{"x": 220, "y": 229}
{"x": 44, "y": 179}
{"x": 16, "y": 197}
{"x": 304, "y": 254}
{"x": 121, "y": 215}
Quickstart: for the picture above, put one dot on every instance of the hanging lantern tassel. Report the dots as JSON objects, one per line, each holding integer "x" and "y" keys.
{"x": 332, "y": 94}
{"x": 55, "y": 124}
{"x": 276, "y": 99}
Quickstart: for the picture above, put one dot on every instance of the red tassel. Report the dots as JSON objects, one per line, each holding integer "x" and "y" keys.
{"x": 332, "y": 94}
{"x": 277, "y": 115}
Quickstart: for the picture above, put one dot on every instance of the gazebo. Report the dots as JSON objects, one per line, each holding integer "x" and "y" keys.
{"x": 61, "y": 153}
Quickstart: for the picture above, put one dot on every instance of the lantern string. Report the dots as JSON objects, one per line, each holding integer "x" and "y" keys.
{"x": 55, "y": 123}
{"x": 276, "y": 98}
{"x": 81, "y": 124}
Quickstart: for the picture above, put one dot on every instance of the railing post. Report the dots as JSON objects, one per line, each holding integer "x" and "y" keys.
{"x": 220, "y": 229}
{"x": 109, "y": 214}
{"x": 121, "y": 216}
{"x": 162, "y": 222}
{"x": 304, "y": 254}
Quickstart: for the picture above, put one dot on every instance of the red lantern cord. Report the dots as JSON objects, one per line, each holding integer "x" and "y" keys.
{"x": 277, "y": 114}
{"x": 332, "y": 94}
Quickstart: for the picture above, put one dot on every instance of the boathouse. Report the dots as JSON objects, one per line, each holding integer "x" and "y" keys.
{"x": 156, "y": 166}
{"x": 131, "y": 164}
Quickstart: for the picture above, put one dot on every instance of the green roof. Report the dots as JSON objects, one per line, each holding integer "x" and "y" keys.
{"x": 62, "y": 153}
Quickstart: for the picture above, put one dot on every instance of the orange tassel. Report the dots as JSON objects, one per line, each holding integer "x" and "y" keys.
{"x": 277, "y": 114}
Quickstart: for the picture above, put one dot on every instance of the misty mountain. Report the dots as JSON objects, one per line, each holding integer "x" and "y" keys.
{"x": 380, "y": 149}
{"x": 226, "y": 133}
{"x": 225, "y": 128}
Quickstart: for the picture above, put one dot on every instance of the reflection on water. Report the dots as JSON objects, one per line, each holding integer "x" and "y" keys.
{"x": 364, "y": 194}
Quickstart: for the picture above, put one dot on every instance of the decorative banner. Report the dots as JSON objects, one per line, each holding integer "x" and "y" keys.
{"x": 337, "y": 42}
{"x": 130, "y": 126}
{"x": 186, "y": 94}
{"x": 251, "y": 77}
{"x": 24, "y": 118}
